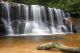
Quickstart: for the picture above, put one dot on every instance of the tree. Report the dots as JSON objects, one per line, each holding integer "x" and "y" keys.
{"x": 71, "y": 6}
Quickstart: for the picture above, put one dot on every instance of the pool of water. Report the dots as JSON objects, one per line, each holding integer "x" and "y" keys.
{"x": 28, "y": 44}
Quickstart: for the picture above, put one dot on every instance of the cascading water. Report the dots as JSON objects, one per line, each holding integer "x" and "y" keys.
{"x": 7, "y": 21}
{"x": 32, "y": 19}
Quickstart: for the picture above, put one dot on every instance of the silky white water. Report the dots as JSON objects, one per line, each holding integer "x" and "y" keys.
{"x": 33, "y": 19}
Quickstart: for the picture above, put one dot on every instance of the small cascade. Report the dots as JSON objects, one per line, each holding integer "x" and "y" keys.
{"x": 33, "y": 19}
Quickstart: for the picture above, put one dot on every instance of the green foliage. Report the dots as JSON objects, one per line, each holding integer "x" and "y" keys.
{"x": 72, "y": 6}
{"x": 31, "y": 2}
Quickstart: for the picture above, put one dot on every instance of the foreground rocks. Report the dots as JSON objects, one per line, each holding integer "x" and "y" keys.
{"x": 60, "y": 47}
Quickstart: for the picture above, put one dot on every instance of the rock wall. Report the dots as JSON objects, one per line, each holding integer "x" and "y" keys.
{"x": 76, "y": 24}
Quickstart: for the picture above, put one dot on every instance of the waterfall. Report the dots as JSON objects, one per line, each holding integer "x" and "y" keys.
{"x": 32, "y": 19}
{"x": 6, "y": 19}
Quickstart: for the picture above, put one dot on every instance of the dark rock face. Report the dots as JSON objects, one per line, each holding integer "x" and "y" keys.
{"x": 2, "y": 27}
{"x": 77, "y": 27}
{"x": 76, "y": 24}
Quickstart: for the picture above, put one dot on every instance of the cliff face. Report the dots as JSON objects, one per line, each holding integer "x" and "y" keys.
{"x": 76, "y": 24}
{"x": 14, "y": 16}
{"x": 2, "y": 28}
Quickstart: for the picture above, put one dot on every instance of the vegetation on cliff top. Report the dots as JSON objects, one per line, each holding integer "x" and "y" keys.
{"x": 72, "y": 6}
